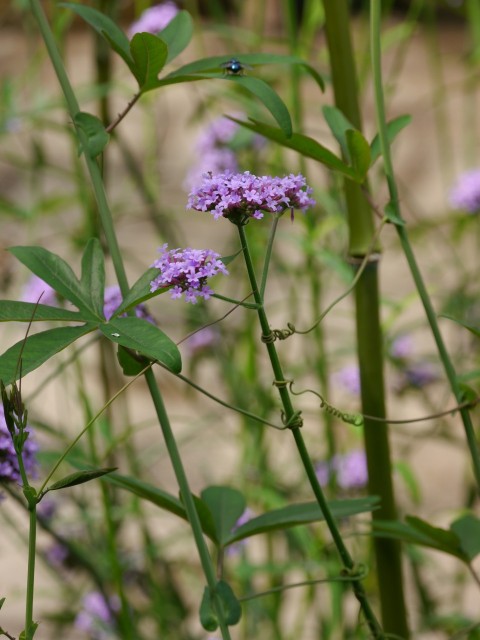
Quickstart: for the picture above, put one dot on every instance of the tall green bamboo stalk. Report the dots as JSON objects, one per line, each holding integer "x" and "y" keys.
{"x": 369, "y": 335}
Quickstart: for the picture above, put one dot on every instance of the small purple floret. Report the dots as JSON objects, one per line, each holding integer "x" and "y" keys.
{"x": 350, "y": 470}
{"x": 466, "y": 192}
{"x": 187, "y": 271}
{"x": 240, "y": 196}
{"x": 154, "y": 19}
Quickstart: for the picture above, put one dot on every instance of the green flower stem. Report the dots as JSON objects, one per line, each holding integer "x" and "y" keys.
{"x": 375, "y": 18}
{"x": 368, "y": 329}
{"x": 32, "y": 541}
{"x": 290, "y": 415}
{"x": 92, "y": 165}
{"x": 186, "y": 494}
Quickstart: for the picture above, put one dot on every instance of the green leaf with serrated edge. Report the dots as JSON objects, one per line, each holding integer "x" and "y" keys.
{"x": 392, "y": 215}
{"x": 232, "y": 610}
{"x": 149, "y": 54}
{"x": 405, "y": 532}
{"x": 303, "y": 513}
{"x": 474, "y": 330}
{"x": 208, "y": 615}
{"x": 213, "y": 63}
{"x": 164, "y": 500}
{"x": 94, "y": 130}
{"x": 146, "y": 338}
{"x": 105, "y": 27}
{"x": 177, "y": 34}
{"x": 226, "y": 505}
{"x": 131, "y": 365}
{"x": 338, "y": 125}
{"x": 393, "y": 129}
{"x": 140, "y": 292}
{"x": 93, "y": 275}
{"x": 11, "y": 310}
{"x": 306, "y": 146}
{"x": 38, "y": 349}
{"x": 359, "y": 152}
{"x": 79, "y": 477}
{"x": 467, "y": 529}
{"x": 57, "y": 273}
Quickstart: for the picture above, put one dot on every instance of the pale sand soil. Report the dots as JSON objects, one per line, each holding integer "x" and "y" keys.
{"x": 441, "y": 468}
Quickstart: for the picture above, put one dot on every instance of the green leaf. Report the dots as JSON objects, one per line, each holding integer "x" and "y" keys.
{"x": 226, "y": 506}
{"x": 139, "y": 292}
{"x": 359, "y": 152}
{"x": 105, "y": 27}
{"x": 79, "y": 477}
{"x": 93, "y": 275}
{"x": 303, "y": 513}
{"x": 232, "y": 611}
{"x": 131, "y": 365}
{"x": 467, "y": 529}
{"x": 146, "y": 338}
{"x": 415, "y": 531}
{"x": 57, "y": 273}
{"x": 214, "y": 63}
{"x": 392, "y": 215}
{"x": 177, "y": 34}
{"x": 208, "y": 615}
{"x": 149, "y": 54}
{"x": 37, "y": 349}
{"x": 475, "y": 330}
{"x": 393, "y": 129}
{"x": 338, "y": 125}
{"x": 94, "y": 130}
{"x": 305, "y": 145}
{"x": 11, "y": 310}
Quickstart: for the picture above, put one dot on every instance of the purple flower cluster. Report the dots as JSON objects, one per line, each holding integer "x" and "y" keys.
{"x": 154, "y": 19}
{"x": 113, "y": 299}
{"x": 350, "y": 470}
{"x": 9, "y": 471}
{"x": 186, "y": 271}
{"x": 96, "y": 616}
{"x": 466, "y": 192}
{"x": 240, "y": 196}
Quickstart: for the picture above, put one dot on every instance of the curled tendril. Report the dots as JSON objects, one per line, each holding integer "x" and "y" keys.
{"x": 279, "y": 334}
{"x": 281, "y": 384}
{"x": 359, "y": 571}
{"x": 350, "y": 418}
{"x": 294, "y": 422}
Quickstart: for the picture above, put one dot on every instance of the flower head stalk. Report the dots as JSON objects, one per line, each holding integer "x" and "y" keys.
{"x": 186, "y": 271}
{"x": 241, "y": 196}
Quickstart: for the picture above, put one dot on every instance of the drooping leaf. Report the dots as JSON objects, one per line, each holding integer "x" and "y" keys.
{"x": 93, "y": 275}
{"x": 146, "y": 338}
{"x": 232, "y": 611}
{"x": 214, "y": 63}
{"x": 393, "y": 129}
{"x": 359, "y": 152}
{"x": 177, "y": 34}
{"x": 338, "y": 125}
{"x": 57, "y": 273}
{"x": 226, "y": 506}
{"x": 131, "y": 364}
{"x": 304, "y": 513}
{"x": 38, "y": 348}
{"x": 208, "y": 615}
{"x": 11, "y": 310}
{"x": 79, "y": 477}
{"x": 105, "y": 27}
{"x": 467, "y": 529}
{"x": 470, "y": 327}
{"x": 94, "y": 131}
{"x": 149, "y": 54}
{"x": 305, "y": 145}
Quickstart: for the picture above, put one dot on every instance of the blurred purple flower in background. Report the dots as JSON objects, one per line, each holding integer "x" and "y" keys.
{"x": 9, "y": 470}
{"x": 96, "y": 617}
{"x": 402, "y": 347}
{"x": 202, "y": 340}
{"x": 56, "y": 555}
{"x": 349, "y": 469}
{"x": 113, "y": 299}
{"x": 236, "y": 547}
{"x": 187, "y": 270}
{"x": 154, "y": 19}
{"x": 420, "y": 374}
{"x": 239, "y": 196}
{"x": 465, "y": 194}
{"x": 348, "y": 378}
{"x": 36, "y": 290}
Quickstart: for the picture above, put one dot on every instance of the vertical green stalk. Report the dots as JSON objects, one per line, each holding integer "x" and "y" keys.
{"x": 291, "y": 419}
{"x": 369, "y": 335}
{"x": 32, "y": 542}
{"x": 405, "y": 242}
